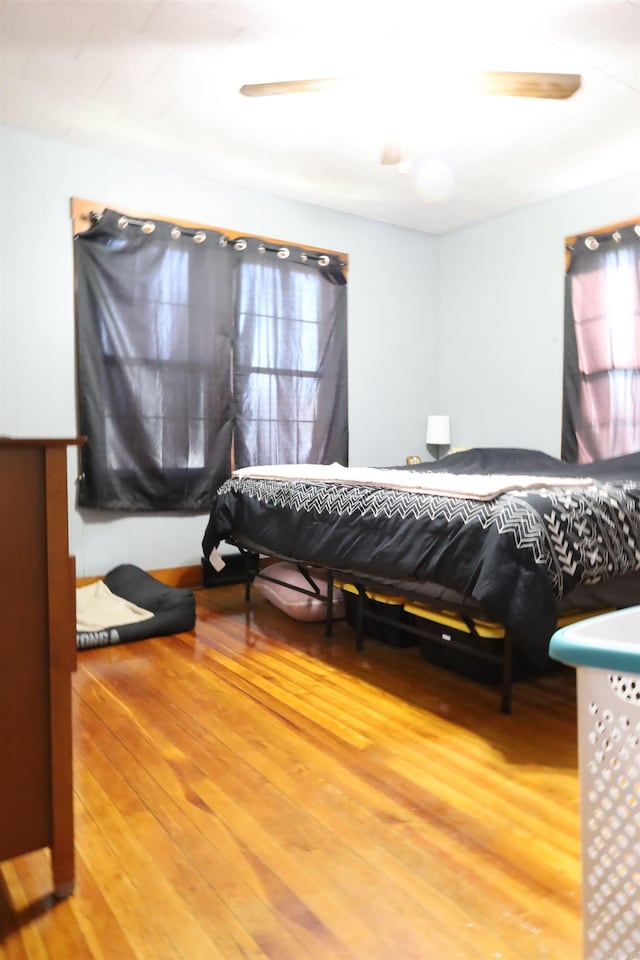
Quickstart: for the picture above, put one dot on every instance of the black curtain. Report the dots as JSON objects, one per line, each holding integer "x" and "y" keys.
{"x": 197, "y": 354}
{"x": 289, "y": 357}
{"x": 155, "y": 320}
{"x": 571, "y": 382}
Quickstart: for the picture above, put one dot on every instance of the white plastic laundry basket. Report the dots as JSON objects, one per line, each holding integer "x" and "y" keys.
{"x": 606, "y": 653}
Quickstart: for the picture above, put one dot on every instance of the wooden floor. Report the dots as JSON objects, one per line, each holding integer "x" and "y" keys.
{"x": 253, "y": 790}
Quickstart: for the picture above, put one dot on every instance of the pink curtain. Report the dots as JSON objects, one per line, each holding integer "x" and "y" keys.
{"x": 602, "y": 349}
{"x": 606, "y": 307}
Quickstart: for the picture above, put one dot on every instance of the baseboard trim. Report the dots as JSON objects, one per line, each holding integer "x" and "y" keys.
{"x": 173, "y": 577}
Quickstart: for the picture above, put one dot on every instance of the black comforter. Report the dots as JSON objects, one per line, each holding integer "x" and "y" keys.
{"x": 516, "y": 554}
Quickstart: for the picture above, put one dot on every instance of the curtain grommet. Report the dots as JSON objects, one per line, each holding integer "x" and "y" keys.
{"x": 199, "y": 237}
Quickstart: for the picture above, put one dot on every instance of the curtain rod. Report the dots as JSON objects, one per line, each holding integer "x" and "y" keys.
{"x": 602, "y": 232}
{"x": 593, "y": 239}
{"x": 83, "y": 212}
{"x": 199, "y": 236}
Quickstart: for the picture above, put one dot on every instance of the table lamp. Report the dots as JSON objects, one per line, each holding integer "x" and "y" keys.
{"x": 438, "y": 433}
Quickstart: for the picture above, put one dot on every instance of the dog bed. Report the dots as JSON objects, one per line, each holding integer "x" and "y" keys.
{"x": 151, "y": 609}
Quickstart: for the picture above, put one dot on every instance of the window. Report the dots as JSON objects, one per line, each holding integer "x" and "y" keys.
{"x": 192, "y": 350}
{"x": 601, "y": 415}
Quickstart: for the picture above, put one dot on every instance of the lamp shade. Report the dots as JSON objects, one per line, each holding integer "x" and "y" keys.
{"x": 438, "y": 431}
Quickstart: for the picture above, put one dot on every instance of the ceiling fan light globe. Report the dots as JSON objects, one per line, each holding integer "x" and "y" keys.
{"x": 435, "y": 181}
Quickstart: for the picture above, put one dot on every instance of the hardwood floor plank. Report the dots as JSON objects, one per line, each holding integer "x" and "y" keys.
{"x": 61, "y": 934}
{"x": 140, "y": 928}
{"x": 404, "y": 727}
{"x": 173, "y": 772}
{"x": 403, "y": 738}
{"x": 26, "y": 937}
{"x": 125, "y": 829}
{"x": 256, "y": 791}
{"x": 547, "y": 884}
{"x": 101, "y": 925}
{"x": 172, "y": 843}
{"x": 188, "y": 705}
{"x": 267, "y": 839}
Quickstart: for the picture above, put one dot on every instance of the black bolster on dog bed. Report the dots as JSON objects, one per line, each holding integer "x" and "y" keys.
{"x": 173, "y": 608}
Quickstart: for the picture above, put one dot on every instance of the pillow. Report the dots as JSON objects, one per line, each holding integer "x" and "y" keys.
{"x": 509, "y": 460}
{"x": 299, "y": 606}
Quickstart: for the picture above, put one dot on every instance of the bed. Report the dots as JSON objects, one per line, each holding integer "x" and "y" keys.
{"x": 514, "y": 536}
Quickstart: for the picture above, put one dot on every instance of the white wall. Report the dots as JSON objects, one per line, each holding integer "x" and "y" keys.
{"x": 500, "y": 317}
{"x": 486, "y": 349}
{"x": 392, "y": 316}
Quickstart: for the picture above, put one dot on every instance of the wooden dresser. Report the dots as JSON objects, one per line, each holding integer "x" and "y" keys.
{"x": 37, "y": 654}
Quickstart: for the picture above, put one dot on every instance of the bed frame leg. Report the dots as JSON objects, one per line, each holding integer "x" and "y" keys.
{"x": 247, "y": 575}
{"x": 507, "y": 675}
{"x": 328, "y": 630}
{"x": 360, "y": 620}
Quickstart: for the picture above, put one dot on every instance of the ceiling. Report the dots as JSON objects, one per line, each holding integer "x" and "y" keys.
{"x": 159, "y": 82}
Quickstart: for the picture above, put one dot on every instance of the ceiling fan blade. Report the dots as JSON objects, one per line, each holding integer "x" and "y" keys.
{"x": 289, "y": 86}
{"x": 550, "y": 86}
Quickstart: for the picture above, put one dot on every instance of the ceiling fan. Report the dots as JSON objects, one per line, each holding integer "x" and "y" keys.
{"x": 548, "y": 86}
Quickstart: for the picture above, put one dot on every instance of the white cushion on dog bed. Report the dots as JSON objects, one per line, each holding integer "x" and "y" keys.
{"x": 299, "y": 606}
{"x": 98, "y": 608}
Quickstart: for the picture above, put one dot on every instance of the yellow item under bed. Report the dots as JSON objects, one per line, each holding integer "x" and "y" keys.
{"x": 449, "y": 618}
{"x": 473, "y": 625}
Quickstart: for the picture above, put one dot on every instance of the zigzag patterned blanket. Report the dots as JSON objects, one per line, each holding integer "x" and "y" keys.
{"x": 515, "y": 554}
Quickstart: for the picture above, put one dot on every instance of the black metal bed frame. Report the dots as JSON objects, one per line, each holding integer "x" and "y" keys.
{"x": 472, "y": 648}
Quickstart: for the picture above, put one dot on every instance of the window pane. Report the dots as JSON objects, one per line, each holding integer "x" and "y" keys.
{"x": 264, "y": 395}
